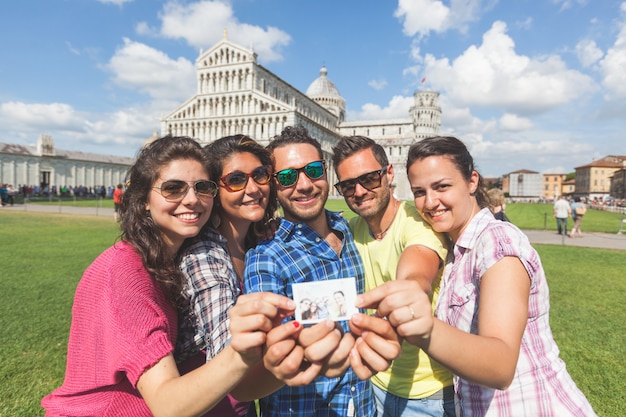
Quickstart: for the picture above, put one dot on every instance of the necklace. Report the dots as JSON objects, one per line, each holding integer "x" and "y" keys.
{"x": 380, "y": 235}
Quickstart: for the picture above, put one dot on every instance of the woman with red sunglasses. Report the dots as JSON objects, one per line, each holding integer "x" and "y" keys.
{"x": 214, "y": 262}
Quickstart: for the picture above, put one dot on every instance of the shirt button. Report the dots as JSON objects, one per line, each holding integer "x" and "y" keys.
{"x": 353, "y": 389}
{"x": 317, "y": 239}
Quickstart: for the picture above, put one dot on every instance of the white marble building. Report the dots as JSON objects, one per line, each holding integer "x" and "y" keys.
{"x": 235, "y": 95}
{"x": 44, "y": 165}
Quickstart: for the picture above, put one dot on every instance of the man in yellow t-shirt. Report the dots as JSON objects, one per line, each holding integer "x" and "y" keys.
{"x": 394, "y": 243}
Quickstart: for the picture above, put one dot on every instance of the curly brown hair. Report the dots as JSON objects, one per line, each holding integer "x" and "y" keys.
{"x": 138, "y": 228}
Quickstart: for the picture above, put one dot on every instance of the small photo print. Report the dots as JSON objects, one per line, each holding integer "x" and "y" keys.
{"x": 333, "y": 299}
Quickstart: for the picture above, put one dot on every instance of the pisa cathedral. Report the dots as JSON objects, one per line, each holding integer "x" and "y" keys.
{"x": 237, "y": 95}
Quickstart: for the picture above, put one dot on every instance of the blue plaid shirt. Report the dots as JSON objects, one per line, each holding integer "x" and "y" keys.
{"x": 298, "y": 254}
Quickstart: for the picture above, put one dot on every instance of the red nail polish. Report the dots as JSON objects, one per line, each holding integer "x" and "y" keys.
{"x": 296, "y": 324}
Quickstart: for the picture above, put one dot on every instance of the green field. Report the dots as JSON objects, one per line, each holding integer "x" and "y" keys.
{"x": 534, "y": 216}
{"x": 44, "y": 256}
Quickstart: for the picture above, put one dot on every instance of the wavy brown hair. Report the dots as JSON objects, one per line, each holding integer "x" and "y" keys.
{"x": 222, "y": 149}
{"x": 138, "y": 228}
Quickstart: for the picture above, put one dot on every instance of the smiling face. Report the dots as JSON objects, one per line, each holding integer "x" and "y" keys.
{"x": 442, "y": 196}
{"x": 340, "y": 299}
{"x": 367, "y": 204}
{"x": 179, "y": 220}
{"x": 304, "y": 201}
{"x": 247, "y": 205}
{"x": 305, "y": 304}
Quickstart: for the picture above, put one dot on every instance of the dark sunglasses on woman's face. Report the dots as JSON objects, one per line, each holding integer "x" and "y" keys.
{"x": 369, "y": 181}
{"x": 174, "y": 190}
{"x": 237, "y": 180}
{"x": 289, "y": 177}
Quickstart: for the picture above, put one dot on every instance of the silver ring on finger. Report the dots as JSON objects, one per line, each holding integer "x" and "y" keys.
{"x": 412, "y": 312}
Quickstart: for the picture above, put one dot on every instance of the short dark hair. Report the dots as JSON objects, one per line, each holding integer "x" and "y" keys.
{"x": 292, "y": 135}
{"x": 349, "y": 145}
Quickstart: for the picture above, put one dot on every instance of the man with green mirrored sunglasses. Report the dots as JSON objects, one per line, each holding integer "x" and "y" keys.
{"x": 312, "y": 244}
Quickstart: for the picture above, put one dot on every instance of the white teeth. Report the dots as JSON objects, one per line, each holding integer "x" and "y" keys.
{"x": 188, "y": 216}
{"x": 437, "y": 213}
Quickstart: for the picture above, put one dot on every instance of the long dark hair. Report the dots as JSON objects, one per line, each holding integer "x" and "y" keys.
{"x": 457, "y": 152}
{"x": 222, "y": 149}
{"x": 138, "y": 228}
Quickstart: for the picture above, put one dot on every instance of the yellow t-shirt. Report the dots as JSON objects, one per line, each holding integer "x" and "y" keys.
{"x": 414, "y": 374}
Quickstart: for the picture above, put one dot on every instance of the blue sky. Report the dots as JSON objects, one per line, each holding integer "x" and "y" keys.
{"x": 526, "y": 84}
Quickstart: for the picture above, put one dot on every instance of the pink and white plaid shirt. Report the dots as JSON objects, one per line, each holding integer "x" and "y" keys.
{"x": 541, "y": 386}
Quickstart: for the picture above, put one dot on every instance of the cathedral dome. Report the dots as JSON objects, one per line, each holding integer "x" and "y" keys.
{"x": 323, "y": 87}
{"x": 324, "y": 92}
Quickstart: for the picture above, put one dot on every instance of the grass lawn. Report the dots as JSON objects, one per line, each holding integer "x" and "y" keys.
{"x": 533, "y": 216}
{"x": 44, "y": 256}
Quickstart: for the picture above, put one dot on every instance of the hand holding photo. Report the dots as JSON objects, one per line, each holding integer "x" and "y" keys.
{"x": 320, "y": 300}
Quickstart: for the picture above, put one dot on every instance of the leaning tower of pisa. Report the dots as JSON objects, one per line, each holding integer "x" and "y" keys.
{"x": 426, "y": 114}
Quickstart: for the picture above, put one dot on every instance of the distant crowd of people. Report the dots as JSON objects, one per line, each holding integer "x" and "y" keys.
{"x": 79, "y": 191}
{"x": 563, "y": 210}
{"x": 7, "y": 194}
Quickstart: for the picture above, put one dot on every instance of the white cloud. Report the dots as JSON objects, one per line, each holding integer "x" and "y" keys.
{"x": 39, "y": 116}
{"x": 139, "y": 67}
{"x": 397, "y": 108}
{"x": 202, "y": 25}
{"x": 115, "y": 2}
{"x": 424, "y": 16}
{"x": 71, "y": 48}
{"x": 377, "y": 84}
{"x": 613, "y": 64}
{"x": 566, "y": 4}
{"x": 588, "y": 52}
{"x": 72, "y": 129}
{"x": 494, "y": 75}
{"x": 130, "y": 126}
{"x": 513, "y": 122}
{"x": 525, "y": 24}
{"x": 142, "y": 28}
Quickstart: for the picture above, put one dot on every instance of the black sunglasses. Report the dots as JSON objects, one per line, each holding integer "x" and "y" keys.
{"x": 369, "y": 181}
{"x": 175, "y": 190}
{"x": 237, "y": 180}
{"x": 288, "y": 177}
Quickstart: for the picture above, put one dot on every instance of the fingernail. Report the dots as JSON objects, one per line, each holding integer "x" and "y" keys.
{"x": 329, "y": 323}
{"x": 359, "y": 301}
{"x": 296, "y": 324}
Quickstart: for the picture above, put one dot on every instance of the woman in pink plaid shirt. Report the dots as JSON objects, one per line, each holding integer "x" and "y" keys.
{"x": 491, "y": 324}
